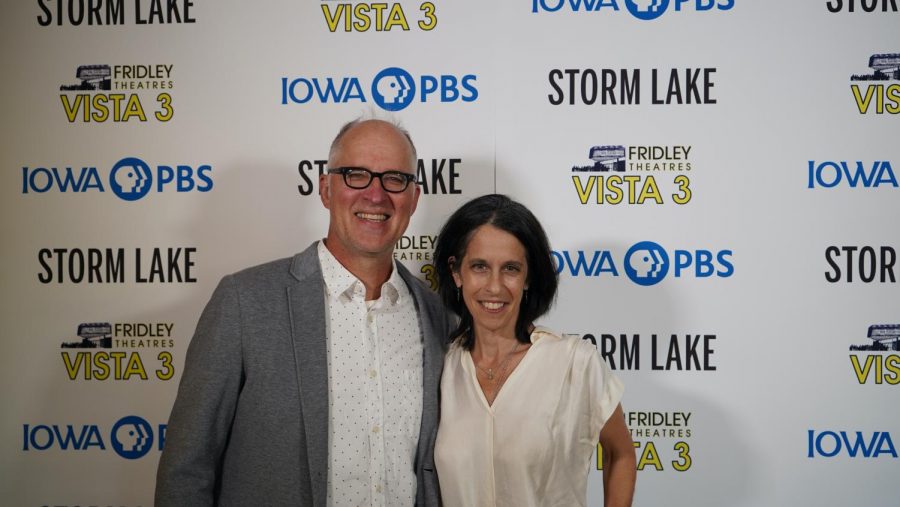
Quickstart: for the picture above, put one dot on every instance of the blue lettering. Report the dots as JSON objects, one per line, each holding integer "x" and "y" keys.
{"x": 729, "y": 267}
{"x": 683, "y": 259}
{"x": 202, "y": 175}
{"x": 879, "y": 443}
{"x": 429, "y": 84}
{"x": 468, "y": 84}
{"x": 33, "y": 434}
{"x": 448, "y": 85}
{"x": 165, "y": 174}
{"x": 886, "y": 175}
{"x": 292, "y": 89}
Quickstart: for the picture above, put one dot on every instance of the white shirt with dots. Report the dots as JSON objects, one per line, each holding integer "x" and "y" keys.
{"x": 375, "y": 389}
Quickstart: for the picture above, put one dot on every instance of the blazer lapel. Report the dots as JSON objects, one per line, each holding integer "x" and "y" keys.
{"x": 307, "y": 312}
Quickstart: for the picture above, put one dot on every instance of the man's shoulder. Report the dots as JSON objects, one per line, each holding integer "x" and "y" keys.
{"x": 278, "y": 271}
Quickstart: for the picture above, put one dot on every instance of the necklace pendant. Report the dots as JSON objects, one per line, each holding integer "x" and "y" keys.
{"x": 490, "y": 374}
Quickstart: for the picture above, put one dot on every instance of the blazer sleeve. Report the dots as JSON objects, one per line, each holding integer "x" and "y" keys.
{"x": 204, "y": 408}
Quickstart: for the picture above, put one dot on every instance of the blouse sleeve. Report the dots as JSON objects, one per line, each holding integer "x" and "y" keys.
{"x": 603, "y": 389}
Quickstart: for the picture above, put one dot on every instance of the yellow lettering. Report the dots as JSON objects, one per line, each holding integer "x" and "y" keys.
{"x": 134, "y": 108}
{"x": 332, "y": 20}
{"x": 135, "y": 367}
{"x": 396, "y": 17}
{"x": 861, "y": 373}
{"x": 168, "y": 370}
{"x": 430, "y": 20}
{"x": 862, "y": 103}
{"x": 71, "y": 109}
{"x": 584, "y": 193}
{"x": 649, "y": 457}
{"x": 650, "y": 190}
{"x": 683, "y": 452}
{"x": 72, "y": 369}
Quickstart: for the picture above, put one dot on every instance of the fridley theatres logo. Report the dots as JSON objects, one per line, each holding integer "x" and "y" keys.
{"x": 882, "y": 93}
{"x": 878, "y": 361}
{"x": 646, "y": 263}
{"x": 119, "y": 93}
{"x": 436, "y": 176}
{"x": 379, "y": 17}
{"x": 661, "y": 440}
{"x": 117, "y": 351}
{"x": 624, "y": 87}
{"x": 392, "y": 89}
{"x": 130, "y": 179}
{"x": 644, "y": 10}
{"x": 131, "y": 437}
{"x": 632, "y": 175}
{"x": 836, "y": 6}
{"x": 114, "y": 12}
{"x": 415, "y": 252}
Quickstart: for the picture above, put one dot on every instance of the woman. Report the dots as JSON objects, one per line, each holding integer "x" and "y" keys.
{"x": 522, "y": 408}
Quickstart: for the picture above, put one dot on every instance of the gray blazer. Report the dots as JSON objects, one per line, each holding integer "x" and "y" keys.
{"x": 250, "y": 423}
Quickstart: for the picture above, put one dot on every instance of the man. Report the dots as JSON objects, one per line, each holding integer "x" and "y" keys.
{"x": 313, "y": 380}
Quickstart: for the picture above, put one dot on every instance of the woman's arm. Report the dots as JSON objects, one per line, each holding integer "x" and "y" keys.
{"x": 619, "y": 463}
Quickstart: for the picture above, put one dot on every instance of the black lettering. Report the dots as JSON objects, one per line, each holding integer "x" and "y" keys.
{"x": 608, "y": 78}
{"x": 888, "y": 258}
{"x": 76, "y": 260}
{"x": 834, "y": 275}
{"x": 49, "y": 16}
{"x": 835, "y": 5}
{"x": 305, "y": 187}
{"x": 453, "y": 175}
{"x": 707, "y": 352}
{"x": 708, "y": 85}
{"x": 589, "y": 86}
{"x": 849, "y": 250}
{"x": 47, "y": 276}
{"x": 554, "y": 75}
{"x": 867, "y": 260}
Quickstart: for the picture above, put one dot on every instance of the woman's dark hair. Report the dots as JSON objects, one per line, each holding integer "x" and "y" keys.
{"x": 505, "y": 214}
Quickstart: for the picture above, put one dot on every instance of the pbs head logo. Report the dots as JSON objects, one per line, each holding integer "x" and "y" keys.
{"x": 647, "y": 10}
{"x": 130, "y": 179}
{"x": 646, "y": 263}
{"x": 393, "y": 89}
{"x": 132, "y": 437}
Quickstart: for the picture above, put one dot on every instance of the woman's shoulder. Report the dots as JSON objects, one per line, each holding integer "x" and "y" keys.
{"x": 552, "y": 339}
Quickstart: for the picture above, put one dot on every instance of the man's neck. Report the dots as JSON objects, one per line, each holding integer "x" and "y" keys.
{"x": 373, "y": 271}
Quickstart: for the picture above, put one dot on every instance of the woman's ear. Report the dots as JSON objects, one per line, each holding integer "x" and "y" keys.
{"x": 454, "y": 270}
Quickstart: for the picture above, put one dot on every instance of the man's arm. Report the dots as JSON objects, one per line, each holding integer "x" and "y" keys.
{"x": 201, "y": 417}
{"x": 619, "y": 463}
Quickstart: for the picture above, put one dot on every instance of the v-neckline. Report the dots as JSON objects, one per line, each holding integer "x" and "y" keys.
{"x": 473, "y": 375}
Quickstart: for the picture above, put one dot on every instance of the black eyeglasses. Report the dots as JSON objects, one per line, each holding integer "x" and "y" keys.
{"x": 359, "y": 178}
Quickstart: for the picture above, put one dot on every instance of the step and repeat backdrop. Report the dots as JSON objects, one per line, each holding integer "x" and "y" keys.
{"x": 719, "y": 180}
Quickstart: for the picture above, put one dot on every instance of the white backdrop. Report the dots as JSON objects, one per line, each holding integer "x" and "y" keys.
{"x": 757, "y": 403}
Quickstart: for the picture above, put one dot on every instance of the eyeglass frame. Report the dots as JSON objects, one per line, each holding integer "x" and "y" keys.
{"x": 343, "y": 171}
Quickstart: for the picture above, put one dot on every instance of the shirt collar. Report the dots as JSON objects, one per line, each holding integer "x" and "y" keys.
{"x": 341, "y": 283}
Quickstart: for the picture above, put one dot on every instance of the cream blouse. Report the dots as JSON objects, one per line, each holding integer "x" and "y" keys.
{"x": 533, "y": 446}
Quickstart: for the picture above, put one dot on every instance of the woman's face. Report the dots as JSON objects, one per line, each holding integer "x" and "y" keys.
{"x": 491, "y": 277}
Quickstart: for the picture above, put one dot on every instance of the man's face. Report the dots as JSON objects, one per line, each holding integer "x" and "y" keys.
{"x": 367, "y": 223}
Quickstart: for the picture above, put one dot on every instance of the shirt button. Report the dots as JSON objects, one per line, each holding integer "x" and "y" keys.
{"x": 378, "y": 488}
{"x": 375, "y": 429}
{"x": 373, "y": 373}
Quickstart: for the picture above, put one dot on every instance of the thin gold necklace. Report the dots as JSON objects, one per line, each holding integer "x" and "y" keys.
{"x": 501, "y": 367}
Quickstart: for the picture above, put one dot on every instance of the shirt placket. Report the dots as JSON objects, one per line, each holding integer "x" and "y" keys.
{"x": 375, "y": 409}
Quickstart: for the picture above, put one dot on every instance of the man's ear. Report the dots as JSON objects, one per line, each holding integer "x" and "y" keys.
{"x": 324, "y": 190}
